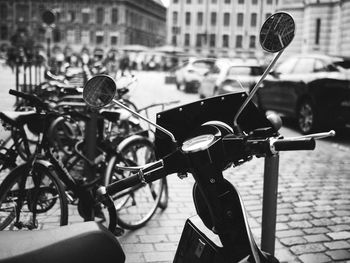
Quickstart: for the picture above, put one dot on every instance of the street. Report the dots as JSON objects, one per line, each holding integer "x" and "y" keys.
{"x": 313, "y": 217}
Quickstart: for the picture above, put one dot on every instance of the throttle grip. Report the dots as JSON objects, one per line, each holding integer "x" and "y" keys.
{"x": 293, "y": 145}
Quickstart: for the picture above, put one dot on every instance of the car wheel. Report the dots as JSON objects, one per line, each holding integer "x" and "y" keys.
{"x": 306, "y": 117}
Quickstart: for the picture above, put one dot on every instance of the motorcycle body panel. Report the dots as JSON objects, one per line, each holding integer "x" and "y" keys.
{"x": 82, "y": 242}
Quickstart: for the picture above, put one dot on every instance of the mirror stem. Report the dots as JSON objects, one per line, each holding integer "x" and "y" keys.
{"x": 254, "y": 90}
{"x": 146, "y": 120}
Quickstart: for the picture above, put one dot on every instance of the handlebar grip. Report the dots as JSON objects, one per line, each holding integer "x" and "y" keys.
{"x": 29, "y": 97}
{"x": 148, "y": 174}
{"x": 123, "y": 184}
{"x": 294, "y": 145}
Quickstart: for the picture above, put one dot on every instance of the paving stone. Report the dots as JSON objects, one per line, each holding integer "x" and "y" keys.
{"x": 159, "y": 256}
{"x": 317, "y": 238}
{"x": 300, "y": 224}
{"x": 307, "y": 248}
{"x": 337, "y": 244}
{"x": 323, "y": 214}
{"x": 340, "y": 235}
{"x": 289, "y": 233}
{"x": 166, "y": 246}
{"x": 285, "y": 256}
{"x": 291, "y": 241}
{"x": 316, "y": 230}
{"x": 338, "y": 254}
{"x": 303, "y": 204}
{"x": 315, "y": 258}
{"x": 322, "y": 222}
{"x": 338, "y": 228}
{"x": 153, "y": 238}
{"x": 299, "y": 217}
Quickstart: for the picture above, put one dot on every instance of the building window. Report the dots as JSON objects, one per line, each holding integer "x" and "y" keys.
{"x": 175, "y": 18}
{"x": 114, "y": 40}
{"x": 200, "y": 1}
{"x": 227, "y": 1}
{"x": 188, "y": 1}
{"x": 226, "y": 19}
{"x": 253, "y": 19}
{"x": 22, "y": 12}
{"x": 187, "y": 39}
{"x": 213, "y": 18}
{"x": 175, "y": 1}
{"x": 267, "y": 15}
{"x": 214, "y": 1}
{"x": 85, "y": 18}
{"x": 3, "y": 32}
{"x": 188, "y": 18}
{"x": 252, "y": 40}
{"x": 99, "y": 39}
{"x": 212, "y": 39}
{"x": 239, "y": 40}
{"x": 199, "y": 18}
{"x": 254, "y": 2}
{"x": 225, "y": 41}
{"x": 3, "y": 11}
{"x": 198, "y": 40}
{"x": 240, "y": 1}
{"x": 240, "y": 19}
{"x": 174, "y": 40}
{"x": 318, "y": 30}
{"x": 269, "y": 2}
{"x": 100, "y": 15}
{"x": 115, "y": 17}
{"x": 70, "y": 36}
{"x": 71, "y": 16}
{"x": 85, "y": 37}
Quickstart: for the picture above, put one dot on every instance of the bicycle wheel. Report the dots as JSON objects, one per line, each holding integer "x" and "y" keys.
{"x": 135, "y": 206}
{"x": 32, "y": 200}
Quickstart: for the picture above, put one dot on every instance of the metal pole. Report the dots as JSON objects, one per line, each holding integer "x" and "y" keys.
{"x": 269, "y": 211}
{"x": 91, "y": 139}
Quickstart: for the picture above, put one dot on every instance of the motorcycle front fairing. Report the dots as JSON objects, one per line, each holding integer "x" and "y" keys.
{"x": 216, "y": 200}
{"x": 183, "y": 120}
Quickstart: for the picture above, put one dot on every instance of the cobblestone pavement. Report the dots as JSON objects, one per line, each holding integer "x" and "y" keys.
{"x": 313, "y": 221}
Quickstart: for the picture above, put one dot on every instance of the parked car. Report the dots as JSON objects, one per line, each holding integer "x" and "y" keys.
{"x": 229, "y": 77}
{"x": 313, "y": 89}
{"x": 191, "y": 73}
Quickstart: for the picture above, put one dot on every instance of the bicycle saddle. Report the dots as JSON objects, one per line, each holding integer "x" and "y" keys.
{"x": 83, "y": 242}
{"x": 16, "y": 118}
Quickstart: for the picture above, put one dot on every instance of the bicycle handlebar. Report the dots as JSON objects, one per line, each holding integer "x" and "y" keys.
{"x": 31, "y": 98}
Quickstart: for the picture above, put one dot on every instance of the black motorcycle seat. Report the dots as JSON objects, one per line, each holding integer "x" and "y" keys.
{"x": 82, "y": 242}
{"x": 16, "y": 118}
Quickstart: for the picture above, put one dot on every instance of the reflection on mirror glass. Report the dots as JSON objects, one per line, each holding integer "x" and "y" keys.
{"x": 99, "y": 91}
{"x": 277, "y": 32}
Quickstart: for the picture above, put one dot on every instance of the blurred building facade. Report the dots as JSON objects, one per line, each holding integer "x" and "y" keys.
{"x": 322, "y": 26}
{"x": 221, "y": 28}
{"x": 230, "y": 28}
{"x": 87, "y": 24}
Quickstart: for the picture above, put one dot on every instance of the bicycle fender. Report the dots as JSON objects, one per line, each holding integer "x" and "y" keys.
{"x": 127, "y": 140}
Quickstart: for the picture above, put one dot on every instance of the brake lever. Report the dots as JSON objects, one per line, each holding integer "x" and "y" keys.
{"x": 315, "y": 136}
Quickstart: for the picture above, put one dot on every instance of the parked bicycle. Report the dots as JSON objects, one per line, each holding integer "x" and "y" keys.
{"x": 44, "y": 179}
